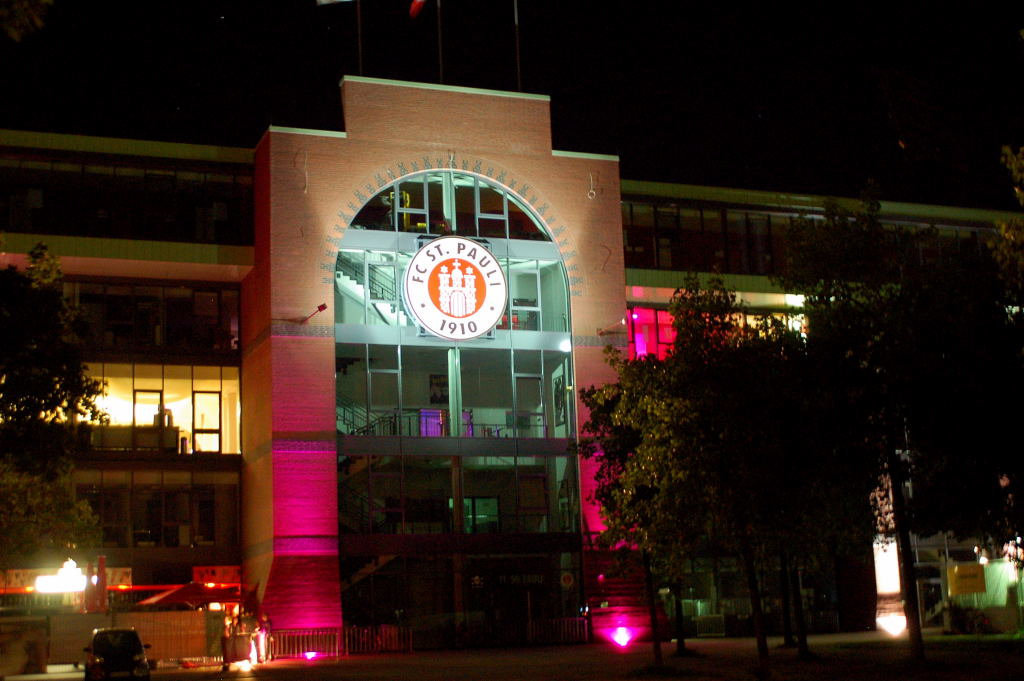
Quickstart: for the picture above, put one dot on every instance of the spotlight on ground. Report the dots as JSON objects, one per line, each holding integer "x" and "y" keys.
{"x": 622, "y": 636}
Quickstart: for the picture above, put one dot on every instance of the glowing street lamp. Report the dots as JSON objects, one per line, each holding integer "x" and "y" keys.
{"x": 69, "y": 579}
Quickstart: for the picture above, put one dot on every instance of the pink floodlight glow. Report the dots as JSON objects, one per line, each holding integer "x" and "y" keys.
{"x": 309, "y": 655}
{"x": 622, "y": 636}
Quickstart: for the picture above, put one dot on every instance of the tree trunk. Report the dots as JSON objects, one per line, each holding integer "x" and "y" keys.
{"x": 801, "y": 622}
{"x": 787, "y": 624}
{"x": 681, "y": 649}
{"x": 749, "y": 567}
{"x": 652, "y": 606}
{"x": 908, "y": 580}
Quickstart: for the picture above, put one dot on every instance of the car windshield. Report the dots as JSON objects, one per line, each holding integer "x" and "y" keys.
{"x": 109, "y": 642}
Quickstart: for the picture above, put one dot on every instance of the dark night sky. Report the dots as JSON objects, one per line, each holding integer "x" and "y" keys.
{"x": 771, "y": 96}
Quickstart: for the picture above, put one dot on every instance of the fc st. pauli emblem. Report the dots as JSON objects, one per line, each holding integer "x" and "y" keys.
{"x": 455, "y": 288}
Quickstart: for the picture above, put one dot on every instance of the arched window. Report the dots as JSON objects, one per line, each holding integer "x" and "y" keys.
{"x": 395, "y": 378}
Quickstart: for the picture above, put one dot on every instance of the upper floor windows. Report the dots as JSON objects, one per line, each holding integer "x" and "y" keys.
{"x": 135, "y": 317}
{"x": 702, "y": 238}
{"x": 128, "y": 202}
{"x": 168, "y": 408}
{"x": 671, "y": 237}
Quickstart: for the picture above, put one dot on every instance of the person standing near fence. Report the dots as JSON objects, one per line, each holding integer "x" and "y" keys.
{"x": 225, "y": 641}
{"x": 263, "y": 638}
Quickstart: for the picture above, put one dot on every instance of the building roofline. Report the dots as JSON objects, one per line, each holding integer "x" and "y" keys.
{"x": 308, "y": 131}
{"x": 809, "y": 202}
{"x": 583, "y": 154}
{"x": 124, "y": 147}
{"x": 446, "y": 88}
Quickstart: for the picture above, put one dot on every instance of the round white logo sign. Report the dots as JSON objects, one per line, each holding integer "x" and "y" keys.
{"x": 455, "y": 288}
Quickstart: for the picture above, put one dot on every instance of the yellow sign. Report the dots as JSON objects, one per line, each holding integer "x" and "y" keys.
{"x": 966, "y": 578}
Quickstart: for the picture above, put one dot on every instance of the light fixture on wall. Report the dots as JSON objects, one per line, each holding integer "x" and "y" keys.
{"x": 618, "y": 328}
{"x": 319, "y": 308}
{"x": 303, "y": 320}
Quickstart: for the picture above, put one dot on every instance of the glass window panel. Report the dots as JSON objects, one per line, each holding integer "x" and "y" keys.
{"x": 439, "y": 203}
{"x": 353, "y": 502}
{"x": 643, "y": 215}
{"x": 487, "y": 390}
{"x": 689, "y": 253}
{"x": 206, "y": 318}
{"x": 147, "y": 407}
{"x": 206, "y": 378}
{"x": 665, "y": 217}
{"x": 529, "y": 407}
{"x": 760, "y": 243}
{"x": 383, "y": 357}
{"x": 558, "y": 398}
{"x": 492, "y": 201}
{"x": 412, "y": 194}
{"x": 643, "y": 338}
{"x": 492, "y": 227}
{"x": 93, "y": 308}
{"x": 203, "y": 500}
{"x": 527, "y": 362}
{"x": 115, "y": 478}
{"x": 350, "y": 382}
{"x": 554, "y": 303}
{"x": 227, "y": 334}
{"x": 178, "y": 315}
{"x": 376, "y": 214}
{"x": 465, "y": 206}
{"x": 147, "y": 516}
{"x": 714, "y": 239}
{"x": 207, "y": 409}
{"x": 120, "y": 317}
{"x": 737, "y": 245}
{"x": 521, "y": 225}
{"x": 207, "y": 442}
{"x": 148, "y": 323}
{"x": 231, "y": 411}
{"x": 149, "y": 377}
{"x": 428, "y": 488}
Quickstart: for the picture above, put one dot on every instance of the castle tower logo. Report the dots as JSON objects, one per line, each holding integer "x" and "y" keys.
{"x": 455, "y": 288}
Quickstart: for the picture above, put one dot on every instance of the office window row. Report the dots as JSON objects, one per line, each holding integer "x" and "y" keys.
{"x": 136, "y": 317}
{"x": 651, "y": 331}
{"x": 457, "y": 494}
{"x": 102, "y": 200}
{"x": 168, "y": 408}
{"x": 162, "y": 508}
{"x": 671, "y": 237}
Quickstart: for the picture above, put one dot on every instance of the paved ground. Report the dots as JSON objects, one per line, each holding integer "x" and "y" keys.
{"x": 843, "y": 657}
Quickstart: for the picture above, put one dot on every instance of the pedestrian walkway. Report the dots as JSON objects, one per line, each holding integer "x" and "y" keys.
{"x": 866, "y": 656}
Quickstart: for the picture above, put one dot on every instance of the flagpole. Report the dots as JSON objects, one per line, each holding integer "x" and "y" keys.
{"x": 440, "y": 57}
{"x": 519, "y": 72}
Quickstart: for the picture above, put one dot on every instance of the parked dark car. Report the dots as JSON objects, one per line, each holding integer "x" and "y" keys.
{"x": 116, "y": 653}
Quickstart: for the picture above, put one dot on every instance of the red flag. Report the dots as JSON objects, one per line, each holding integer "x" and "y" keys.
{"x": 415, "y": 7}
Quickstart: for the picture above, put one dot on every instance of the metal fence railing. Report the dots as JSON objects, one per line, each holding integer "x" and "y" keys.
{"x": 325, "y": 642}
{"x": 383, "y": 638}
{"x": 558, "y": 630}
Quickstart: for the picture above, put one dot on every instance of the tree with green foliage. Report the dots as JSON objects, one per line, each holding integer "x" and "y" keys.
{"x": 717, "y": 444}
{"x": 47, "y": 404}
{"x": 38, "y": 514}
{"x": 912, "y": 336}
